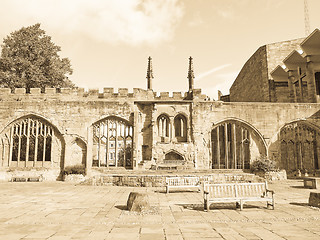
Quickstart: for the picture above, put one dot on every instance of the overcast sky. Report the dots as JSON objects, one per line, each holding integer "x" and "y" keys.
{"x": 109, "y": 41}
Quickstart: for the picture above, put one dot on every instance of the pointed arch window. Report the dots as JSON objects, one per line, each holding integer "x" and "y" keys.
{"x": 112, "y": 143}
{"x": 301, "y": 151}
{"x": 30, "y": 142}
{"x": 231, "y": 146}
{"x": 180, "y": 128}
{"x": 163, "y": 126}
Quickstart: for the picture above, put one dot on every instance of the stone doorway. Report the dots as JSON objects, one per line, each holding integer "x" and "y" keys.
{"x": 112, "y": 143}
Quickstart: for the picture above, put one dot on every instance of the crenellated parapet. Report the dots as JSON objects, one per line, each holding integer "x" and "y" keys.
{"x": 108, "y": 94}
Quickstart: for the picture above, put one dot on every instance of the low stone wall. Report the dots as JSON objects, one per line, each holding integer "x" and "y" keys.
{"x": 42, "y": 174}
{"x": 276, "y": 176}
{"x": 153, "y": 180}
{"x": 74, "y": 178}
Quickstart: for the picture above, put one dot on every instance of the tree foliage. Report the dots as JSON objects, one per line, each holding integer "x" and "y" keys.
{"x": 29, "y": 59}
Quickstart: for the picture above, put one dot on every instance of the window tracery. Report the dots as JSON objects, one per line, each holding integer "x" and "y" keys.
{"x": 112, "y": 139}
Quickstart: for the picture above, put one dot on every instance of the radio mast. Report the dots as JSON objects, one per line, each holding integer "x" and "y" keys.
{"x": 306, "y": 18}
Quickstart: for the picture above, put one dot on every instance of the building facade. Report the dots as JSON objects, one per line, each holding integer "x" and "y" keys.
{"x": 146, "y": 130}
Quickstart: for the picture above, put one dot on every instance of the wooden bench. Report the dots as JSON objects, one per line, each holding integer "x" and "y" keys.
{"x": 182, "y": 182}
{"x": 237, "y": 192}
{"x": 26, "y": 179}
{"x": 311, "y": 182}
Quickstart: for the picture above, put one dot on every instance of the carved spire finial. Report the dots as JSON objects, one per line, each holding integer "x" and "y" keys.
{"x": 149, "y": 74}
{"x": 191, "y": 74}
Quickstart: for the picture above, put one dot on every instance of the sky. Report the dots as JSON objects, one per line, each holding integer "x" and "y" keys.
{"x": 109, "y": 41}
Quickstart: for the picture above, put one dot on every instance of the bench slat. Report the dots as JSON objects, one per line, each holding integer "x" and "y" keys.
{"x": 236, "y": 192}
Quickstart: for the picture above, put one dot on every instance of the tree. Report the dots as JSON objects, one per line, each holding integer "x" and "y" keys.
{"x": 29, "y": 59}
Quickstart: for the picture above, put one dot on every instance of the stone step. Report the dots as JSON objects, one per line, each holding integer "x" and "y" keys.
{"x": 158, "y": 178}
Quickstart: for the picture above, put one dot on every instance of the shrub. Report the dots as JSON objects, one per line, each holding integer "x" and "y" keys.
{"x": 75, "y": 169}
{"x": 263, "y": 164}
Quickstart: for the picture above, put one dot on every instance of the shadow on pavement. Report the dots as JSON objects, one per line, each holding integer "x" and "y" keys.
{"x": 300, "y": 204}
{"x": 122, "y": 207}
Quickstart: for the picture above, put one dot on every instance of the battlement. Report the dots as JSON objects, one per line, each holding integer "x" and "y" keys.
{"x": 20, "y": 94}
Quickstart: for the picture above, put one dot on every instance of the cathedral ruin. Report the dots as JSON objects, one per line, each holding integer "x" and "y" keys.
{"x": 272, "y": 111}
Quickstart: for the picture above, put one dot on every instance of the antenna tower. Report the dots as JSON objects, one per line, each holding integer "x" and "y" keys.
{"x": 306, "y": 18}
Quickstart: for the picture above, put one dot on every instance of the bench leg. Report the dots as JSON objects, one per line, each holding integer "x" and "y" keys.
{"x": 241, "y": 205}
{"x": 167, "y": 189}
{"x": 206, "y": 206}
{"x": 270, "y": 204}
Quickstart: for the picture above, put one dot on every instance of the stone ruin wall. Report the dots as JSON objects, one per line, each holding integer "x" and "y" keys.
{"x": 73, "y": 112}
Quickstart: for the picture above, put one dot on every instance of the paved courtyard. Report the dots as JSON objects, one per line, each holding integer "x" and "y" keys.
{"x": 61, "y": 210}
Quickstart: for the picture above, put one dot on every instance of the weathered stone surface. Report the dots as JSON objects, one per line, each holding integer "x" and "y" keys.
{"x": 75, "y": 178}
{"x": 138, "y": 202}
{"x": 276, "y": 175}
{"x": 314, "y": 199}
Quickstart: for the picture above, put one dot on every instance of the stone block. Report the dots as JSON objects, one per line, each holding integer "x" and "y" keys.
{"x": 314, "y": 199}
{"x": 123, "y": 92}
{"x": 35, "y": 91}
{"x": 20, "y": 91}
{"x": 50, "y": 90}
{"x": 108, "y": 90}
{"x": 311, "y": 182}
{"x": 164, "y": 94}
{"x": 5, "y": 91}
{"x": 138, "y": 202}
{"x": 197, "y": 92}
{"x": 177, "y": 95}
{"x": 93, "y": 91}
{"x": 80, "y": 91}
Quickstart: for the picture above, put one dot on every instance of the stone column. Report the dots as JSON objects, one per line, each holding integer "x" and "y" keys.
{"x": 135, "y": 138}
{"x": 89, "y": 150}
{"x": 171, "y": 129}
{"x": 234, "y": 145}
{"x": 218, "y": 147}
{"x": 292, "y": 96}
{"x": 310, "y": 81}
{"x": 226, "y": 164}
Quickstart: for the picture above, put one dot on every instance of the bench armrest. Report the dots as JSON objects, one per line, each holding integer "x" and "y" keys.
{"x": 271, "y": 191}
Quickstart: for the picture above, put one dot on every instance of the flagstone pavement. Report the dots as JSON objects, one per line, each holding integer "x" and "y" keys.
{"x": 59, "y": 210}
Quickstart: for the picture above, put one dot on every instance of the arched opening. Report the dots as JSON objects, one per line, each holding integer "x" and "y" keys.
{"x": 173, "y": 156}
{"x": 78, "y": 151}
{"x": 300, "y": 147}
{"x": 180, "y": 128}
{"x": 31, "y": 142}
{"x": 163, "y": 123}
{"x": 112, "y": 143}
{"x": 234, "y": 145}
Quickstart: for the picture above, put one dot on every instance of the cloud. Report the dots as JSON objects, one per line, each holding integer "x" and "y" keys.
{"x": 221, "y": 82}
{"x": 211, "y": 71}
{"x": 226, "y": 13}
{"x": 113, "y": 21}
{"x": 196, "y": 20}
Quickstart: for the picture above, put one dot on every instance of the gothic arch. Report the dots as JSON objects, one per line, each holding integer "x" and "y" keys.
{"x": 163, "y": 126}
{"x": 300, "y": 146}
{"x": 112, "y": 142}
{"x": 32, "y": 115}
{"x": 32, "y": 141}
{"x": 78, "y": 151}
{"x": 235, "y": 144}
{"x": 173, "y": 155}
{"x": 180, "y": 127}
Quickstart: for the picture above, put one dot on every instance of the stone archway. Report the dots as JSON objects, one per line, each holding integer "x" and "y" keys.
{"x": 31, "y": 141}
{"x": 112, "y": 143}
{"x": 300, "y": 147}
{"x": 235, "y": 144}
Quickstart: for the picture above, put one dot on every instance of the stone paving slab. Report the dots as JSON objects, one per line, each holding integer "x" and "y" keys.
{"x": 59, "y": 210}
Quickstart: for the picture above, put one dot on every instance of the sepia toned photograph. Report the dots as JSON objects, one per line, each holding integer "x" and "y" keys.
{"x": 159, "y": 119}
